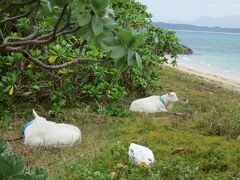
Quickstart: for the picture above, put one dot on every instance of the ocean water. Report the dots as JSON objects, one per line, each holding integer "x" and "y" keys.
{"x": 214, "y": 53}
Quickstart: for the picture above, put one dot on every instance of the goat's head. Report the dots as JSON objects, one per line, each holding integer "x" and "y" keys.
{"x": 172, "y": 97}
{"x": 37, "y": 117}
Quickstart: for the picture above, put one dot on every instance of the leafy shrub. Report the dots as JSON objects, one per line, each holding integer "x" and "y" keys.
{"x": 158, "y": 42}
{"x": 12, "y": 166}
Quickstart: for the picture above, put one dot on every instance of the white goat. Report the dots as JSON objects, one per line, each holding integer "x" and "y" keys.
{"x": 40, "y": 132}
{"x": 154, "y": 104}
{"x": 140, "y": 154}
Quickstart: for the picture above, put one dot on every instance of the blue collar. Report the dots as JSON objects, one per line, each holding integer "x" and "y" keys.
{"x": 26, "y": 125}
{"x": 161, "y": 99}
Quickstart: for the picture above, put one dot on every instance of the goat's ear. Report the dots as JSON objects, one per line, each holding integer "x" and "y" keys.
{"x": 35, "y": 114}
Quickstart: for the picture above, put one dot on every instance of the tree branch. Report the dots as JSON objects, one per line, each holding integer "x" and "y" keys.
{"x": 29, "y": 37}
{"x": 15, "y": 17}
{"x": 55, "y": 67}
{"x": 1, "y": 34}
{"x": 59, "y": 19}
{"x": 37, "y": 38}
{"x": 34, "y": 39}
{"x": 12, "y": 5}
{"x": 24, "y": 3}
{"x": 42, "y": 40}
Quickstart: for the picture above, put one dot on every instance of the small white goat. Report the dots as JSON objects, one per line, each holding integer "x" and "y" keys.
{"x": 154, "y": 104}
{"x": 40, "y": 132}
{"x": 140, "y": 154}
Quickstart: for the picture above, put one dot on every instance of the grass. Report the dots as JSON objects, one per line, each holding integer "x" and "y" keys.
{"x": 195, "y": 141}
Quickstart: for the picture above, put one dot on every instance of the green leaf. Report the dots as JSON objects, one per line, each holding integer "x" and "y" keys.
{"x": 77, "y": 6}
{"x": 41, "y": 173}
{"x": 125, "y": 37}
{"x": 131, "y": 57}
{"x": 121, "y": 64}
{"x": 100, "y": 4}
{"x": 111, "y": 12}
{"x": 27, "y": 93}
{"x": 138, "y": 60}
{"x": 97, "y": 25}
{"x": 30, "y": 66}
{"x": 98, "y": 42}
{"x": 85, "y": 32}
{"x": 45, "y": 9}
{"x": 84, "y": 18}
{"x": 18, "y": 165}
{"x": 11, "y": 91}
{"x": 52, "y": 59}
{"x": 110, "y": 41}
{"x": 118, "y": 52}
{"x": 36, "y": 87}
{"x": 109, "y": 22}
{"x": 62, "y": 71}
{"x": 136, "y": 41}
{"x": 4, "y": 147}
{"x": 11, "y": 165}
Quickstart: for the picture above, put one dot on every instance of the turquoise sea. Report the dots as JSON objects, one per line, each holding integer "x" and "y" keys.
{"x": 214, "y": 53}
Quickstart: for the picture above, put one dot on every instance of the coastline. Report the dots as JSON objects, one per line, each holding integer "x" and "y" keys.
{"x": 211, "y": 32}
{"x": 225, "y": 83}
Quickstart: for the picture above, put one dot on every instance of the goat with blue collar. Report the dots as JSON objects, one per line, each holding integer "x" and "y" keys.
{"x": 40, "y": 132}
{"x": 154, "y": 104}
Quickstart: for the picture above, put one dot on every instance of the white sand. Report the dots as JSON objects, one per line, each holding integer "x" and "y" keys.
{"x": 226, "y": 83}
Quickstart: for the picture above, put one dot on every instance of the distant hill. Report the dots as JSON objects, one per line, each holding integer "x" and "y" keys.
{"x": 195, "y": 28}
{"x": 232, "y": 21}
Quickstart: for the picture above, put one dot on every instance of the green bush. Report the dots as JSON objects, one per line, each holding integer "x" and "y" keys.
{"x": 88, "y": 81}
{"x": 158, "y": 42}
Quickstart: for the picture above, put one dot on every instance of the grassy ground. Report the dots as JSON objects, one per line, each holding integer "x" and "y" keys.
{"x": 203, "y": 125}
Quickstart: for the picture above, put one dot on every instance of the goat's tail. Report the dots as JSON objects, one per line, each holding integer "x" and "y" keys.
{"x": 35, "y": 114}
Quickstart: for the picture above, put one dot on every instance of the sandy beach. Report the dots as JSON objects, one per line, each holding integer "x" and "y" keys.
{"x": 226, "y": 83}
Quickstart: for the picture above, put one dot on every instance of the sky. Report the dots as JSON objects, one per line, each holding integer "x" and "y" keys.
{"x": 183, "y": 11}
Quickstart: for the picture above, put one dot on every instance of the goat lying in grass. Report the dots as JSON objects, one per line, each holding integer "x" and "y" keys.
{"x": 154, "y": 104}
{"x": 40, "y": 132}
{"x": 140, "y": 155}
